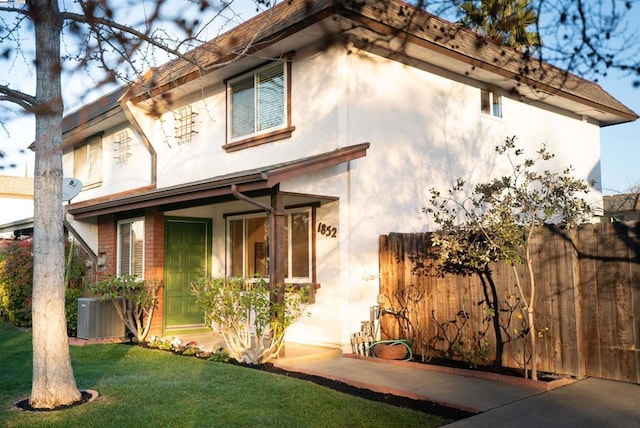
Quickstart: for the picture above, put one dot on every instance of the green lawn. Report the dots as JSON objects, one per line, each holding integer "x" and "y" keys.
{"x": 141, "y": 387}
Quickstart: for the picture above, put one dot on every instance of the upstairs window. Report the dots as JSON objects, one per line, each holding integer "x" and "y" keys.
{"x": 131, "y": 247}
{"x": 490, "y": 103}
{"x": 258, "y": 106}
{"x": 87, "y": 163}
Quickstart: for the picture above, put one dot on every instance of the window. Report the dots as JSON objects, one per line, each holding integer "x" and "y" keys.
{"x": 131, "y": 247}
{"x": 258, "y": 105}
{"x": 249, "y": 246}
{"x": 88, "y": 162}
{"x": 490, "y": 103}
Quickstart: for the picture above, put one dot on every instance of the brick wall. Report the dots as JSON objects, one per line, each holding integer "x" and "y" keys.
{"x": 154, "y": 261}
{"x": 107, "y": 241}
{"x": 154, "y": 254}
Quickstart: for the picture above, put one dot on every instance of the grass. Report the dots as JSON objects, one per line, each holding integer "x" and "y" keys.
{"x": 141, "y": 387}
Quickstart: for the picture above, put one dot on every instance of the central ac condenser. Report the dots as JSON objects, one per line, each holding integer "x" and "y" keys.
{"x": 98, "y": 319}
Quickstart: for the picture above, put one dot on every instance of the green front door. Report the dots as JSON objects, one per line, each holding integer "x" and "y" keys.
{"x": 187, "y": 255}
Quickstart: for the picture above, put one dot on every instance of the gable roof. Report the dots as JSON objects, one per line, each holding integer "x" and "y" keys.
{"x": 16, "y": 186}
{"x": 381, "y": 25}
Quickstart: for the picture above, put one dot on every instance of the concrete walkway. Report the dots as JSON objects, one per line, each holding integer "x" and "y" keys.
{"x": 586, "y": 403}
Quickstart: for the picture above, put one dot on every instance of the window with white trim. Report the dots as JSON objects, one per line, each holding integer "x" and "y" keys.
{"x": 87, "y": 162}
{"x": 258, "y": 102}
{"x": 490, "y": 103}
{"x": 249, "y": 246}
{"x": 131, "y": 247}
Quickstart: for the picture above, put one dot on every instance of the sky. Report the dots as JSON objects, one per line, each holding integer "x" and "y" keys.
{"x": 620, "y": 144}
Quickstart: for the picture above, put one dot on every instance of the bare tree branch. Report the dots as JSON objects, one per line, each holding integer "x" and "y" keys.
{"x": 20, "y": 98}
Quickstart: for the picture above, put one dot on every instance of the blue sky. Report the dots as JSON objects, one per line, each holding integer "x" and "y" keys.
{"x": 620, "y": 144}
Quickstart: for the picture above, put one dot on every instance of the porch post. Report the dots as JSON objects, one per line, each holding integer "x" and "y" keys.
{"x": 276, "y": 247}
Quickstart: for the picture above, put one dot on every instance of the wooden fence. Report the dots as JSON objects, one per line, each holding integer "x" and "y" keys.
{"x": 587, "y": 306}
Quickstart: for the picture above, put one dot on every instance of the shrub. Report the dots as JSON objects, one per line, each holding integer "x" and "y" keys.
{"x": 243, "y": 313}
{"x": 71, "y": 296}
{"x": 16, "y": 280}
{"x": 134, "y": 299}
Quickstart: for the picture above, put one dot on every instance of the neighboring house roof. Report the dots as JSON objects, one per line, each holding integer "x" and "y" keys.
{"x": 14, "y": 186}
{"x": 25, "y": 224}
{"x": 621, "y": 204}
{"x": 242, "y": 181}
{"x": 381, "y": 23}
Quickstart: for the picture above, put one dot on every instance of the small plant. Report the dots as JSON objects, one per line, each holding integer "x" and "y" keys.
{"x": 134, "y": 299}
{"x": 252, "y": 326}
{"x": 219, "y": 355}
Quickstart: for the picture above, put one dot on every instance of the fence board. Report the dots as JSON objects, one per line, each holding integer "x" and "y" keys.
{"x": 588, "y": 294}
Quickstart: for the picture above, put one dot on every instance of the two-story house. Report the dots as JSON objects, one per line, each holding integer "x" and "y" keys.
{"x": 287, "y": 145}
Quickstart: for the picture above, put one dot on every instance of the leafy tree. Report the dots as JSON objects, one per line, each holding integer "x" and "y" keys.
{"x": 503, "y": 21}
{"x": 498, "y": 219}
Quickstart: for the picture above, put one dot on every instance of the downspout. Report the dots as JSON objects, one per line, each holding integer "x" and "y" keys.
{"x": 143, "y": 136}
{"x": 272, "y": 226}
{"x": 241, "y": 196}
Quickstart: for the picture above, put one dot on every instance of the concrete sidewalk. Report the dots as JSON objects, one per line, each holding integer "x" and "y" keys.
{"x": 586, "y": 403}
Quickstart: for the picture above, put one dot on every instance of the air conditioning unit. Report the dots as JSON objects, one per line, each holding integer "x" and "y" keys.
{"x": 98, "y": 319}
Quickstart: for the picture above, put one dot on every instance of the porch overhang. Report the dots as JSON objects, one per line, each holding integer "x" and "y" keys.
{"x": 243, "y": 181}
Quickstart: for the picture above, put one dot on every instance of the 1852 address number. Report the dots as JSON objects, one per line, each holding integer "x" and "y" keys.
{"x": 327, "y": 230}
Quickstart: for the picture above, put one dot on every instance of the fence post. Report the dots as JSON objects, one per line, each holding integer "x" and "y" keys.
{"x": 581, "y": 339}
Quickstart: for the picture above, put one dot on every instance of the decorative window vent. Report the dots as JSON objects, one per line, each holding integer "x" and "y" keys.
{"x": 184, "y": 120}
{"x": 121, "y": 147}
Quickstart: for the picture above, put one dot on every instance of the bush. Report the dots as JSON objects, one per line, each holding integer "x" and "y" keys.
{"x": 71, "y": 296}
{"x": 241, "y": 310}
{"x": 138, "y": 300}
{"x": 16, "y": 280}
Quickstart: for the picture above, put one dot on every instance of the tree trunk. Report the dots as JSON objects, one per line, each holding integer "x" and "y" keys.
{"x": 492, "y": 301}
{"x": 53, "y": 381}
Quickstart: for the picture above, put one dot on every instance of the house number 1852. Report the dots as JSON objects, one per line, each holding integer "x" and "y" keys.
{"x": 327, "y": 230}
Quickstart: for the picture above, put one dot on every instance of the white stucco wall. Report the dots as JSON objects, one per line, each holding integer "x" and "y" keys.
{"x": 425, "y": 130}
{"x": 135, "y": 171}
